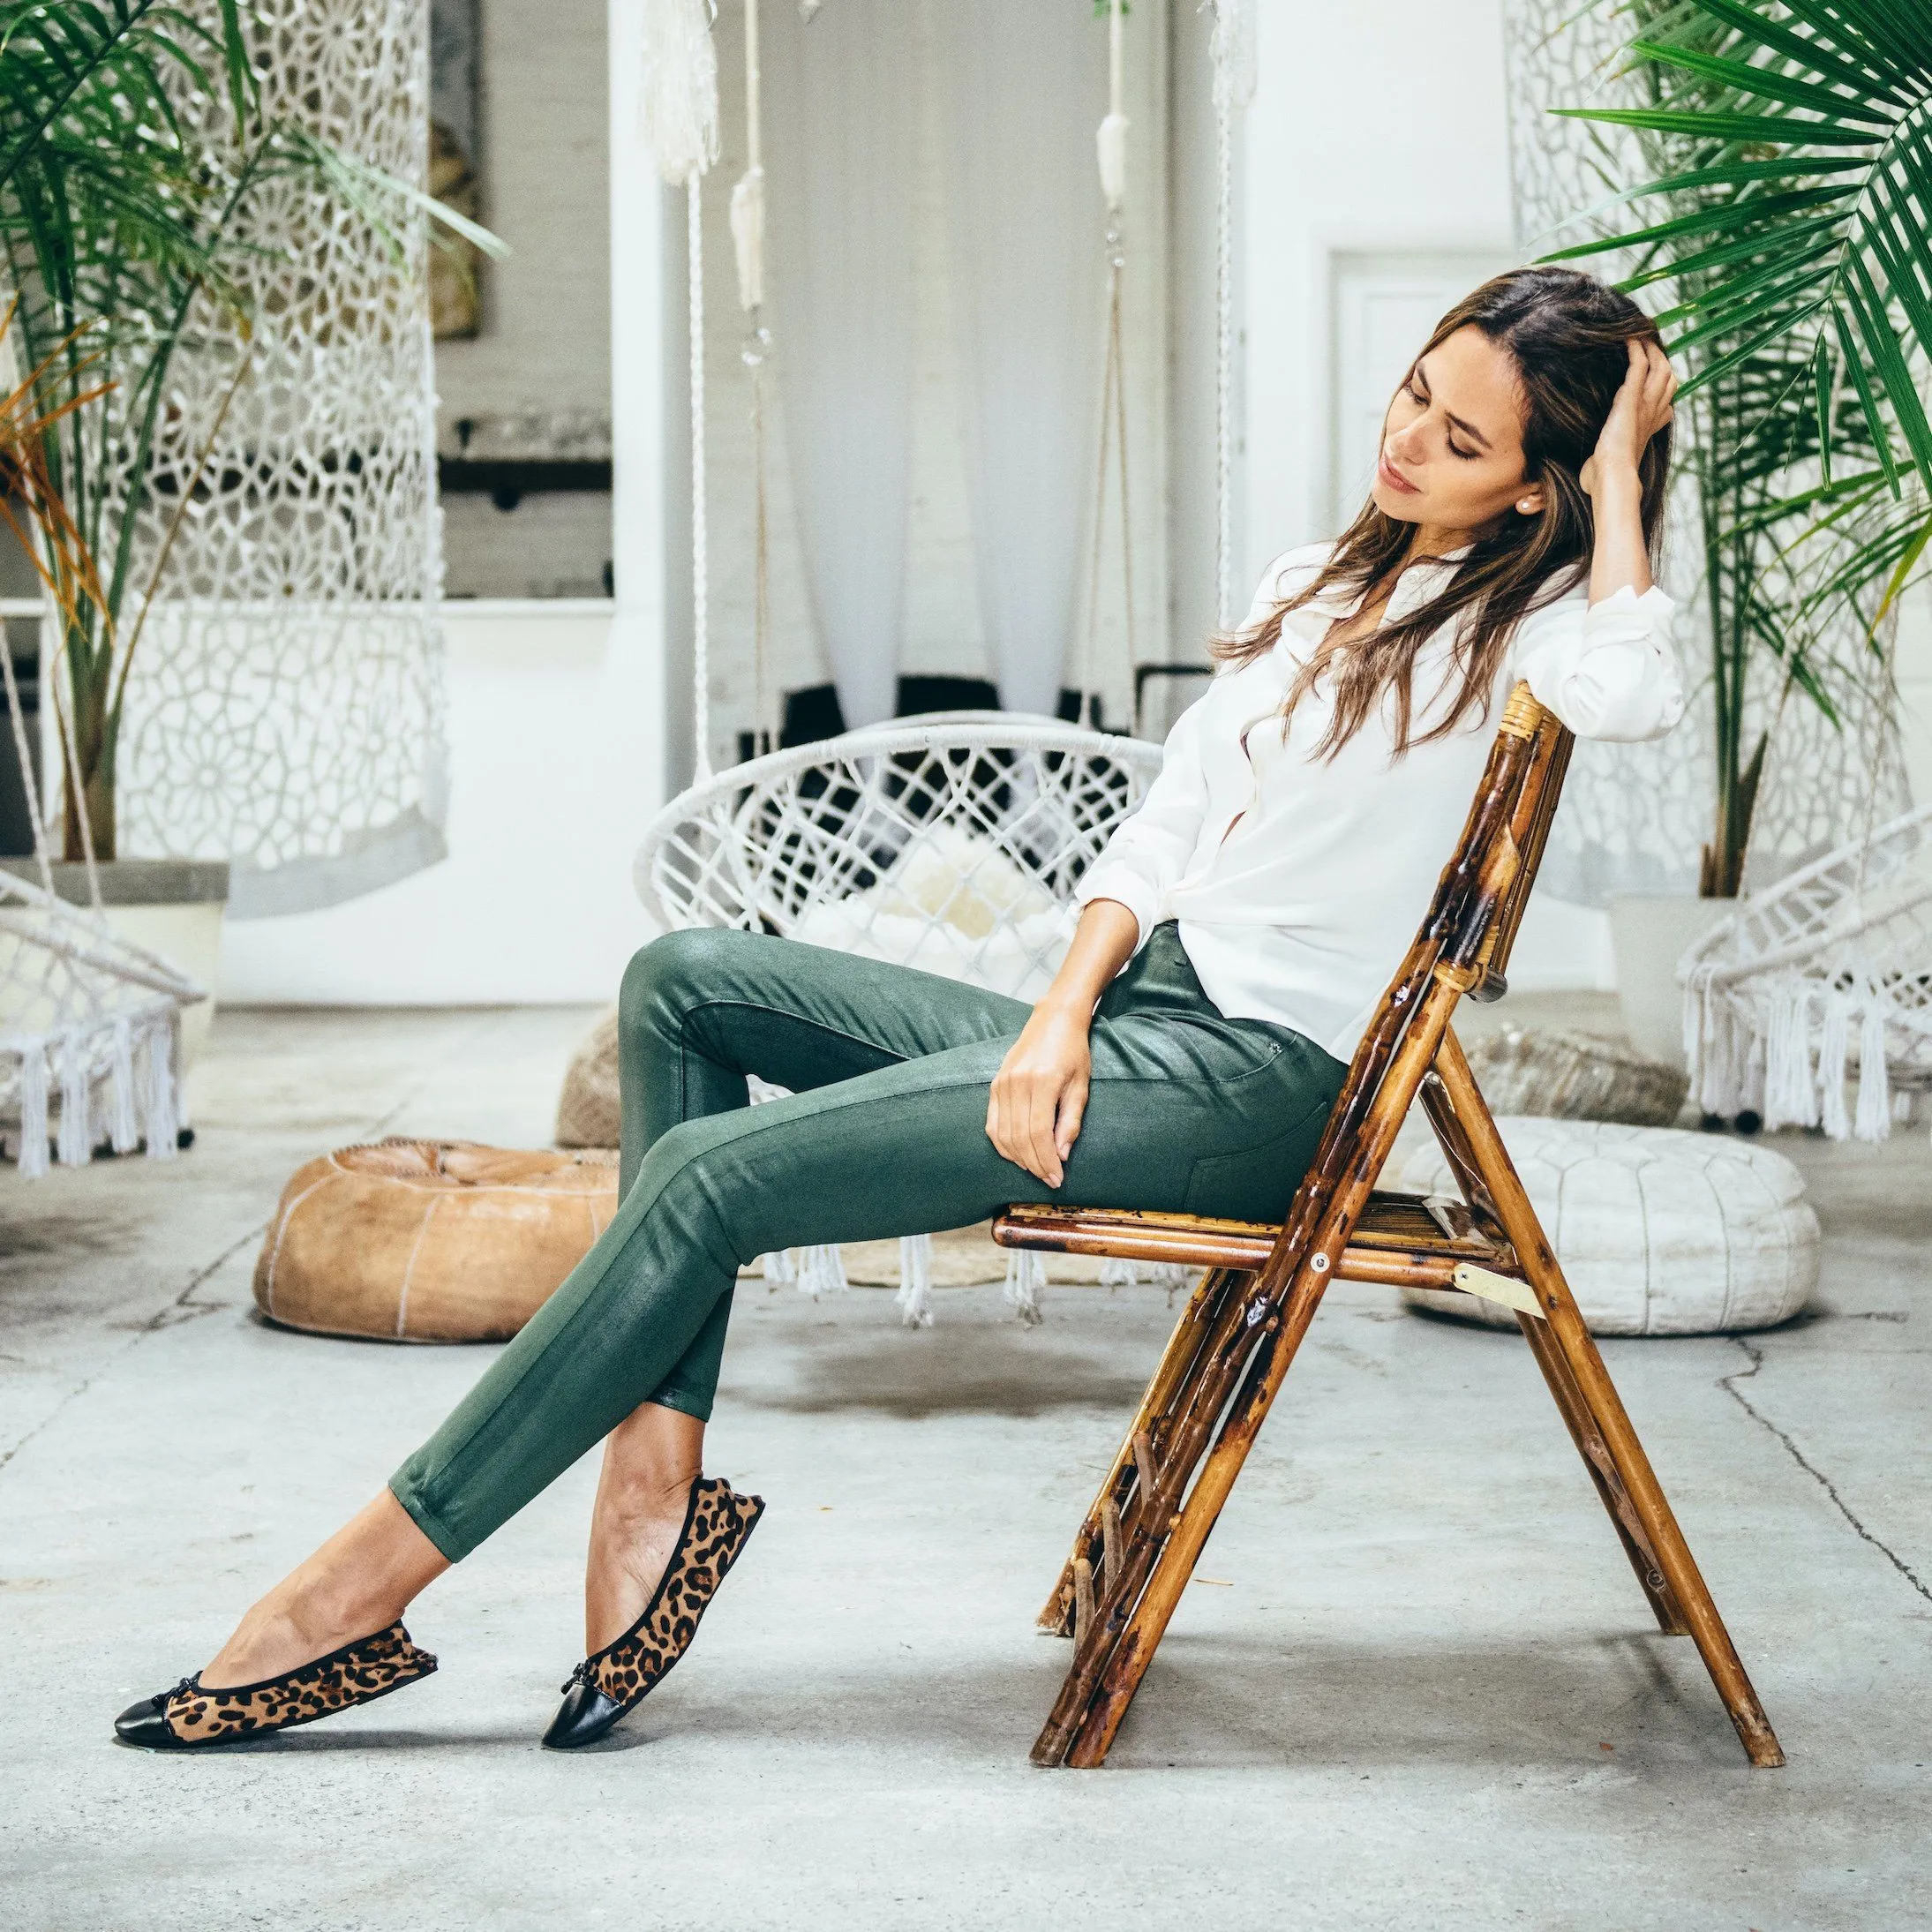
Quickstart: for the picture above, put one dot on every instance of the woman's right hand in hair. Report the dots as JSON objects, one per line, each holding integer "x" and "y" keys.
{"x": 1039, "y": 1095}
{"x": 1642, "y": 407}
{"x": 1620, "y": 553}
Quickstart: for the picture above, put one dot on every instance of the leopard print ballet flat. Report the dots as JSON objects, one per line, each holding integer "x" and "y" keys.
{"x": 190, "y": 1718}
{"x": 717, "y": 1523}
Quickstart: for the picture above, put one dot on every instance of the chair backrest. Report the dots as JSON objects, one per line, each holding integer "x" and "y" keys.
{"x": 1546, "y": 772}
{"x": 1460, "y": 949}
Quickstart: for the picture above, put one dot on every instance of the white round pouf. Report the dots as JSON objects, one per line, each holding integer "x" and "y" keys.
{"x": 1659, "y": 1232}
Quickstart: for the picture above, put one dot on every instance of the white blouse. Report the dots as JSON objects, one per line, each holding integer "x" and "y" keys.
{"x": 1298, "y": 884}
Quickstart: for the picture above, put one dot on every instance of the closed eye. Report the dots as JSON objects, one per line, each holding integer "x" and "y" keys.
{"x": 1417, "y": 390}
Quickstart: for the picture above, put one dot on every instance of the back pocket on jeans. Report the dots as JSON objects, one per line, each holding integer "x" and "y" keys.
{"x": 1256, "y": 1183}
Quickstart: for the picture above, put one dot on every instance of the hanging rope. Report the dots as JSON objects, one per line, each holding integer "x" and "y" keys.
{"x": 748, "y": 225}
{"x": 1234, "y": 88}
{"x": 700, "y": 534}
{"x": 679, "y": 90}
{"x": 1112, "y": 145}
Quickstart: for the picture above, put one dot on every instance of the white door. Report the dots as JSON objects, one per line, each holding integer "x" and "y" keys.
{"x": 1382, "y": 306}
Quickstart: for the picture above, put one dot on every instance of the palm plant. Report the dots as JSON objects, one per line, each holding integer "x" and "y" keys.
{"x": 132, "y": 144}
{"x": 1791, "y": 147}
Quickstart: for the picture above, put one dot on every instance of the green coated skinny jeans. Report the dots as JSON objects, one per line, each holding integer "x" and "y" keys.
{"x": 883, "y": 1133}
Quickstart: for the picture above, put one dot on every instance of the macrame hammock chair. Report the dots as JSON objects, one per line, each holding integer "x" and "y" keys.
{"x": 285, "y": 712}
{"x": 950, "y": 842}
{"x": 1829, "y": 969}
{"x": 90, "y": 1026}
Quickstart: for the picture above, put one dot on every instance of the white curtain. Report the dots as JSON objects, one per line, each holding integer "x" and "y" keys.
{"x": 841, "y": 94}
{"x": 1024, "y": 84}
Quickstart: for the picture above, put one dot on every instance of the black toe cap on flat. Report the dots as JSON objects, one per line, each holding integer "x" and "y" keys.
{"x": 145, "y": 1725}
{"x": 584, "y": 1715}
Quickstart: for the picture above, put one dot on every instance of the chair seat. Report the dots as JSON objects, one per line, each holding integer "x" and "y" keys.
{"x": 1401, "y": 1240}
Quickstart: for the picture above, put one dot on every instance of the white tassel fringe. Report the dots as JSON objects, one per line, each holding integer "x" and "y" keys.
{"x": 747, "y": 236}
{"x": 1791, "y": 1087}
{"x": 123, "y": 1124}
{"x": 1112, "y": 142}
{"x": 163, "y": 1111}
{"x": 32, "y": 1155}
{"x": 913, "y": 1300}
{"x": 75, "y": 1142}
{"x": 1168, "y": 1274}
{"x": 1834, "y": 1060}
{"x": 1025, "y": 1277}
{"x": 822, "y": 1271}
{"x": 1873, "y": 1121}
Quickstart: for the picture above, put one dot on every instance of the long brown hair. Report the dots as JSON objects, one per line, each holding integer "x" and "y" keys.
{"x": 1567, "y": 333}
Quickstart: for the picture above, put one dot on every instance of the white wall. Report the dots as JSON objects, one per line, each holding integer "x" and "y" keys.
{"x": 1375, "y": 130}
{"x": 553, "y": 775}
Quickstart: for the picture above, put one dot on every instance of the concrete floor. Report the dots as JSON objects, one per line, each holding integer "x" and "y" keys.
{"x": 1414, "y": 1687}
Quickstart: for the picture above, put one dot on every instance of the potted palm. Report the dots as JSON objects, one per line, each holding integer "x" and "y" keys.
{"x": 133, "y": 147}
{"x": 1791, "y": 155}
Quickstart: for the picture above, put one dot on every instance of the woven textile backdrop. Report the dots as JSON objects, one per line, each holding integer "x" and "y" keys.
{"x": 285, "y": 709}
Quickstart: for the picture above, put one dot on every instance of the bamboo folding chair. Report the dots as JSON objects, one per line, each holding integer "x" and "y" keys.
{"x": 1262, "y": 1285}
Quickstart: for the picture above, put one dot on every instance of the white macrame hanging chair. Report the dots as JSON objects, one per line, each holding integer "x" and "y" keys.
{"x": 1828, "y": 970}
{"x": 953, "y": 842}
{"x": 90, "y": 1026}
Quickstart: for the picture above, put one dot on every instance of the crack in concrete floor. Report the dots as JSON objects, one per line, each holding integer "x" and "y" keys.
{"x": 157, "y": 1321}
{"x": 1755, "y": 1357}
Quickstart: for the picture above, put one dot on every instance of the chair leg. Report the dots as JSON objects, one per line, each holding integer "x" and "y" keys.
{"x": 1563, "y": 1385}
{"x": 1602, "y": 1472}
{"x": 1233, "y": 1383}
{"x": 1081, "y": 1736}
{"x": 1572, "y": 1338}
{"x": 1208, "y": 1311}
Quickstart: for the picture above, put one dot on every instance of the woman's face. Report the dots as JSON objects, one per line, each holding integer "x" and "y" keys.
{"x": 1452, "y": 442}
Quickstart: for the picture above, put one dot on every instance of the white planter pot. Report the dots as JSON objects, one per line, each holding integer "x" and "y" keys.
{"x": 172, "y": 908}
{"x": 1649, "y": 932}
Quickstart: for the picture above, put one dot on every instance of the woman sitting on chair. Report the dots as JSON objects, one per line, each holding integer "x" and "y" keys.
{"x": 1235, "y": 936}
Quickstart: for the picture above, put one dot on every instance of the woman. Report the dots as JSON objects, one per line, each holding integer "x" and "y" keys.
{"x": 1234, "y": 939}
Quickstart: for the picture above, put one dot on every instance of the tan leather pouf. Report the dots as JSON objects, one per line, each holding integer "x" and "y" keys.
{"x": 429, "y": 1240}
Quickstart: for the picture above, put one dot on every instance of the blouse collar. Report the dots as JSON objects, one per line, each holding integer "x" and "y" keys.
{"x": 1414, "y": 588}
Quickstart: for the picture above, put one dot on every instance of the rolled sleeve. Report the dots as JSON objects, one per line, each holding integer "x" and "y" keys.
{"x": 1607, "y": 670}
{"x": 1118, "y": 880}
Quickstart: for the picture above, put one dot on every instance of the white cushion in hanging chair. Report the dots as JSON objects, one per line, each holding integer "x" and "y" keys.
{"x": 951, "y": 843}
{"x": 956, "y": 905}
{"x": 1659, "y": 1232}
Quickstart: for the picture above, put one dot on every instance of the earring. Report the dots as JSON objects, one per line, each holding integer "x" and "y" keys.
{"x": 1527, "y": 508}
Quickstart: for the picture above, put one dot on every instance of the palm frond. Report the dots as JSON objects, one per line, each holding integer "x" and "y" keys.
{"x": 1786, "y": 218}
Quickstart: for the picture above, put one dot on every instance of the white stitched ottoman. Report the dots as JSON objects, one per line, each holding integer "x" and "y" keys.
{"x": 1659, "y": 1232}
